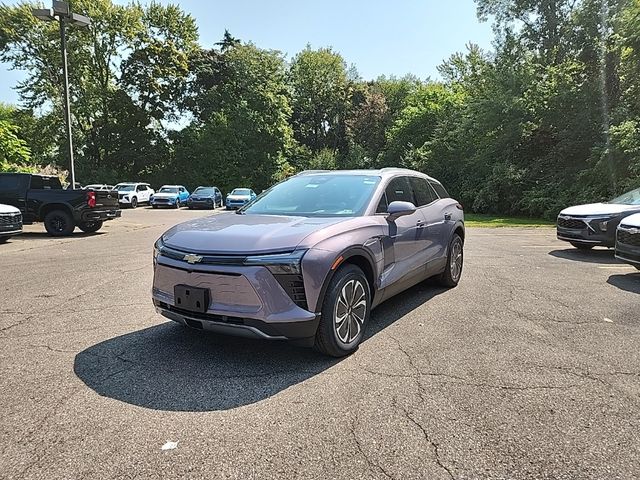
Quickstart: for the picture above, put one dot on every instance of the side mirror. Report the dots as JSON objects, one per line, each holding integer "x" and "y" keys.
{"x": 399, "y": 209}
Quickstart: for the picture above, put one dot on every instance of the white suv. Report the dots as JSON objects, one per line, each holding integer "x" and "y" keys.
{"x": 134, "y": 194}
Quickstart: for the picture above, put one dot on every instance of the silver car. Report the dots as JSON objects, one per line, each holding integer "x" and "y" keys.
{"x": 311, "y": 257}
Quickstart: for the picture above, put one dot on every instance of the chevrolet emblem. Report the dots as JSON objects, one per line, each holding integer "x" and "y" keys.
{"x": 191, "y": 258}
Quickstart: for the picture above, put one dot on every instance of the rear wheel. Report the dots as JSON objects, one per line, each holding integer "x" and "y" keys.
{"x": 90, "y": 227}
{"x": 58, "y": 223}
{"x": 581, "y": 246}
{"x": 134, "y": 202}
{"x": 455, "y": 259}
{"x": 345, "y": 312}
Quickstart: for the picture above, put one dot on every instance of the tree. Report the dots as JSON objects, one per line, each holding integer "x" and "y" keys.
{"x": 241, "y": 131}
{"x": 320, "y": 98}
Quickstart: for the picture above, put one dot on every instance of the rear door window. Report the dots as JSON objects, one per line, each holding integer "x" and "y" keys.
{"x": 440, "y": 190}
{"x": 422, "y": 192}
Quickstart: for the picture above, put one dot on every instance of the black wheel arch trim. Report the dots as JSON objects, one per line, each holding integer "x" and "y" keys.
{"x": 50, "y": 207}
{"x": 347, "y": 253}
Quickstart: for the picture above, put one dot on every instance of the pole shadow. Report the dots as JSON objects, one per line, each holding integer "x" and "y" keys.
{"x": 172, "y": 368}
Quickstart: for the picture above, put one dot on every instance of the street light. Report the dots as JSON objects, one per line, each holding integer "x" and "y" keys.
{"x": 63, "y": 15}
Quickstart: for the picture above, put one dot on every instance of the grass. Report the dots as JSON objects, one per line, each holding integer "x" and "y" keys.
{"x": 480, "y": 220}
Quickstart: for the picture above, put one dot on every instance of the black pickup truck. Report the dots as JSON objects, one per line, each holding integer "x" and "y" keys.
{"x": 42, "y": 199}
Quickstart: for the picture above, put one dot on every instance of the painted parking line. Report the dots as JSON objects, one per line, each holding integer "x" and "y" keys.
{"x": 623, "y": 267}
{"x": 541, "y": 246}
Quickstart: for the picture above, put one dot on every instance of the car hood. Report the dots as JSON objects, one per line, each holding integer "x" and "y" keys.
{"x": 631, "y": 221}
{"x": 8, "y": 209}
{"x": 244, "y": 234}
{"x": 598, "y": 209}
{"x": 238, "y": 197}
{"x": 165, "y": 195}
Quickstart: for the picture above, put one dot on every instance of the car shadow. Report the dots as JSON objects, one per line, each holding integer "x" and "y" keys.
{"x": 44, "y": 235}
{"x": 628, "y": 283}
{"x": 172, "y": 368}
{"x": 601, "y": 256}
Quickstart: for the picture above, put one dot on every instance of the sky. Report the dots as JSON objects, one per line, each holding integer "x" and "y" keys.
{"x": 379, "y": 37}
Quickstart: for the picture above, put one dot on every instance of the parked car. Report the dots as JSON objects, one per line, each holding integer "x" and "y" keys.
{"x": 628, "y": 240}
{"x": 10, "y": 222}
{"x": 99, "y": 186}
{"x": 239, "y": 197}
{"x": 133, "y": 194}
{"x": 41, "y": 198}
{"x": 310, "y": 257}
{"x": 587, "y": 226}
{"x": 205, "y": 197}
{"x": 169, "y": 196}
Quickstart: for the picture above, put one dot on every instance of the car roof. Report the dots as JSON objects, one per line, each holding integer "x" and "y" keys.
{"x": 386, "y": 172}
{"x": 172, "y": 186}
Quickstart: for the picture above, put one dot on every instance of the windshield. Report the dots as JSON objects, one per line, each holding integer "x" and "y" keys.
{"x": 317, "y": 196}
{"x": 629, "y": 198}
{"x": 168, "y": 190}
{"x": 204, "y": 190}
{"x": 241, "y": 191}
{"x": 124, "y": 188}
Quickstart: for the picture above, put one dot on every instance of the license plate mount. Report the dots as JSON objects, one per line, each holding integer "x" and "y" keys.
{"x": 193, "y": 299}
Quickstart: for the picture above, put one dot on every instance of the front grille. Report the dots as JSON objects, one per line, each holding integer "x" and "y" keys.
{"x": 11, "y": 219}
{"x": 161, "y": 200}
{"x": 294, "y": 286}
{"x": 628, "y": 238}
{"x": 571, "y": 223}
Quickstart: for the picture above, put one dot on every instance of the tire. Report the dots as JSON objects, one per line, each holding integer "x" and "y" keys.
{"x": 134, "y": 202}
{"x": 455, "y": 260}
{"x": 177, "y": 203}
{"x": 59, "y": 223}
{"x": 90, "y": 227}
{"x": 3, "y": 239}
{"x": 154, "y": 206}
{"x": 348, "y": 287}
{"x": 581, "y": 246}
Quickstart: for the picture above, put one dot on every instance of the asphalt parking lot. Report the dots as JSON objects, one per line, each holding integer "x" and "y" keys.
{"x": 529, "y": 369}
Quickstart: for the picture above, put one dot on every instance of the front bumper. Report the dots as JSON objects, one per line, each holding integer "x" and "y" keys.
{"x": 200, "y": 203}
{"x": 10, "y": 232}
{"x": 628, "y": 247}
{"x": 163, "y": 202}
{"x": 232, "y": 205}
{"x": 101, "y": 215}
{"x": 581, "y": 231}
{"x": 244, "y": 301}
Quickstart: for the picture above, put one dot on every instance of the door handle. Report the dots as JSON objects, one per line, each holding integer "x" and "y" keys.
{"x": 421, "y": 224}
{"x": 447, "y": 216}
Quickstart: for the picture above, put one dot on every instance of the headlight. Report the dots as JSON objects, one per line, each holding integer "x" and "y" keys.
{"x": 600, "y": 224}
{"x": 157, "y": 250}
{"x": 280, "y": 263}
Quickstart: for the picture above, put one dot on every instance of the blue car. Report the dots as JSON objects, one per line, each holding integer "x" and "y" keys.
{"x": 170, "y": 196}
{"x": 239, "y": 197}
{"x": 205, "y": 197}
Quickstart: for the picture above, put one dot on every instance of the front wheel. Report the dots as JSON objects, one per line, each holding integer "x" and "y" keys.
{"x": 345, "y": 312}
{"x": 90, "y": 227}
{"x": 3, "y": 239}
{"x": 177, "y": 203}
{"x": 453, "y": 270}
{"x": 58, "y": 223}
{"x": 134, "y": 202}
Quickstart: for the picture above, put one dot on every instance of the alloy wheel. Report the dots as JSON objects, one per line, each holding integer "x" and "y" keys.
{"x": 456, "y": 260}
{"x": 350, "y": 311}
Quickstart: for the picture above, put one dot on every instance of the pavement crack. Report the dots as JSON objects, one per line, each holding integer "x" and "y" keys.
{"x": 434, "y": 445}
{"x": 370, "y": 463}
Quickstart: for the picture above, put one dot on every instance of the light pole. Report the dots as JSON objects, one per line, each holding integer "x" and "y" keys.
{"x": 63, "y": 15}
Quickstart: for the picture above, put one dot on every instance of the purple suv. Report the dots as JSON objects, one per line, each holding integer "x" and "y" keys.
{"x": 309, "y": 258}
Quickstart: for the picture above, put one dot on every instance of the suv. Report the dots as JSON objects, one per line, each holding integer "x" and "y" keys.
{"x": 309, "y": 258}
{"x": 42, "y": 199}
{"x": 628, "y": 240}
{"x": 10, "y": 222}
{"x": 133, "y": 194}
